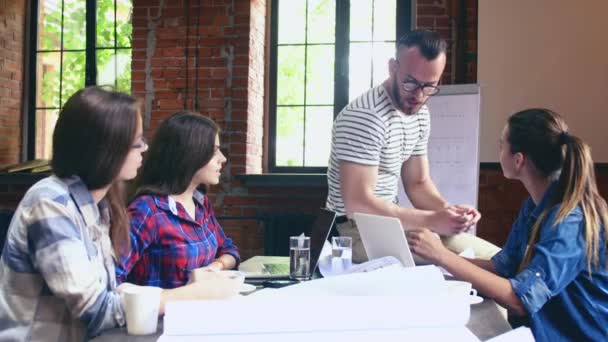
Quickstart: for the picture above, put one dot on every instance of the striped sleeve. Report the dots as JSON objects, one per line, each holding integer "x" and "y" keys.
{"x": 59, "y": 253}
{"x": 359, "y": 136}
{"x": 424, "y": 123}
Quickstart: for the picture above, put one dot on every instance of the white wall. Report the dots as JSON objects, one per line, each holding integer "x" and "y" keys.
{"x": 544, "y": 53}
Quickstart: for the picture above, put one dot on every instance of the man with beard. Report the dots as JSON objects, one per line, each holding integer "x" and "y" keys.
{"x": 382, "y": 135}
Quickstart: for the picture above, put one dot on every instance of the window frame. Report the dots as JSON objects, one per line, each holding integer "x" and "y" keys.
{"x": 404, "y": 22}
{"x": 30, "y": 88}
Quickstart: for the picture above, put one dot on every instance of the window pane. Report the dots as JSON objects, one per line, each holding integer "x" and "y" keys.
{"x": 73, "y": 74}
{"x": 320, "y": 74}
{"x": 290, "y": 136}
{"x": 45, "y": 124}
{"x": 105, "y": 23}
{"x": 385, "y": 20}
{"x": 124, "y": 24}
{"x": 123, "y": 70}
{"x": 361, "y": 20}
{"x": 114, "y": 68}
{"x": 383, "y": 52}
{"x": 321, "y": 21}
{"x": 360, "y": 69}
{"x": 319, "y": 121}
{"x": 106, "y": 73}
{"x": 292, "y": 21}
{"x": 74, "y": 24}
{"x": 290, "y": 75}
{"x": 47, "y": 87}
{"x": 49, "y": 27}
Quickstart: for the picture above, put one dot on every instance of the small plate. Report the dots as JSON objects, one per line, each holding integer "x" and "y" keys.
{"x": 475, "y": 300}
{"x": 246, "y": 288}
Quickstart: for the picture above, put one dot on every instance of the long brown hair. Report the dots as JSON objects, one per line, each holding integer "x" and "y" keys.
{"x": 183, "y": 143}
{"x": 91, "y": 140}
{"x": 542, "y": 135}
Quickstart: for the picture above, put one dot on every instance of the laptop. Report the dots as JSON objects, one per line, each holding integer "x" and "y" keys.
{"x": 383, "y": 236}
{"x": 276, "y": 267}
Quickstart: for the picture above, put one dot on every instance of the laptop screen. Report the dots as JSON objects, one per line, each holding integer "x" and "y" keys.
{"x": 278, "y": 266}
{"x": 318, "y": 234}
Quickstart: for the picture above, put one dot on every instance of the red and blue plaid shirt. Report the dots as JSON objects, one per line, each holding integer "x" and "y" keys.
{"x": 166, "y": 244}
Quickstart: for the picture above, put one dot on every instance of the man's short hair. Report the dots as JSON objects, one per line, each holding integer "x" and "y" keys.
{"x": 428, "y": 42}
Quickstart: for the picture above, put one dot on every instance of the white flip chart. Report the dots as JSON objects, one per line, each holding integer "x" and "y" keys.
{"x": 453, "y": 148}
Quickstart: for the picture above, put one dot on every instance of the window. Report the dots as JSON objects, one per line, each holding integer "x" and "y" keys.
{"x": 76, "y": 43}
{"x": 324, "y": 53}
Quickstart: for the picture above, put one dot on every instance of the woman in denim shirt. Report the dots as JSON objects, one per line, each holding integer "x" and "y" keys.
{"x": 551, "y": 274}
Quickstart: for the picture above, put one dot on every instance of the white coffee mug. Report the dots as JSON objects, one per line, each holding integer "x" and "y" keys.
{"x": 141, "y": 305}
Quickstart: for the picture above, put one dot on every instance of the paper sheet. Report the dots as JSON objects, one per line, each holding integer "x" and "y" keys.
{"x": 521, "y": 334}
{"x": 422, "y": 280}
{"x": 454, "y": 334}
{"x": 362, "y": 303}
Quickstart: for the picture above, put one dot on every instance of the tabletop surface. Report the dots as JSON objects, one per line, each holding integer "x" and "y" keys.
{"x": 486, "y": 322}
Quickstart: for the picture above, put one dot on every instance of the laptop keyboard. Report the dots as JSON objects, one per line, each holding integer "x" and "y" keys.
{"x": 277, "y": 268}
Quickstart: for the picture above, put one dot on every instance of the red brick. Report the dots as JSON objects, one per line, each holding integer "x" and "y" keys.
{"x": 425, "y": 21}
{"x": 430, "y": 10}
{"x": 443, "y": 22}
{"x": 173, "y": 52}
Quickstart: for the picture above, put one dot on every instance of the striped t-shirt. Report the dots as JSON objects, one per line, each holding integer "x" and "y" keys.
{"x": 371, "y": 131}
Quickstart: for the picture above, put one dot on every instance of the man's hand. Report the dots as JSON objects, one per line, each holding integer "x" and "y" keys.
{"x": 469, "y": 212}
{"x": 453, "y": 219}
{"x": 427, "y": 245}
{"x": 448, "y": 221}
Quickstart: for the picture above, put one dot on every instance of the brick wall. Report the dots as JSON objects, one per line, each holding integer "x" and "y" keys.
{"x": 230, "y": 67}
{"x": 226, "y": 51}
{"x": 12, "y": 28}
{"x": 222, "y": 46}
{"x": 448, "y": 17}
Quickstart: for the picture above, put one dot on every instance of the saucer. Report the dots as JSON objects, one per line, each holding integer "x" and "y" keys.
{"x": 475, "y": 300}
{"x": 246, "y": 288}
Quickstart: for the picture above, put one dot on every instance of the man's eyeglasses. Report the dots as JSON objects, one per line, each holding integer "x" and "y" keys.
{"x": 141, "y": 143}
{"x": 412, "y": 85}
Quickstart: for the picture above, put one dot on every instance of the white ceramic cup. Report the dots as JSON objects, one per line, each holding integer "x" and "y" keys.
{"x": 461, "y": 288}
{"x": 141, "y": 305}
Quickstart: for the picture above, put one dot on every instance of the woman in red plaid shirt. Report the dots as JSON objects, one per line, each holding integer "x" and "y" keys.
{"x": 173, "y": 228}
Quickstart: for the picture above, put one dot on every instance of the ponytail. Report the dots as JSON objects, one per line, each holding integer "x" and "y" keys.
{"x": 576, "y": 185}
{"x": 543, "y": 136}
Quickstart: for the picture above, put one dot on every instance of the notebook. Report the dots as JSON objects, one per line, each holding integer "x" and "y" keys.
{"x": 383, "y": 236}
{"x": 278, "y": 266}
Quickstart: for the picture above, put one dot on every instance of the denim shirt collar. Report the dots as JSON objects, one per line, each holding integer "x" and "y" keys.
{"x": 544, "y": 202}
